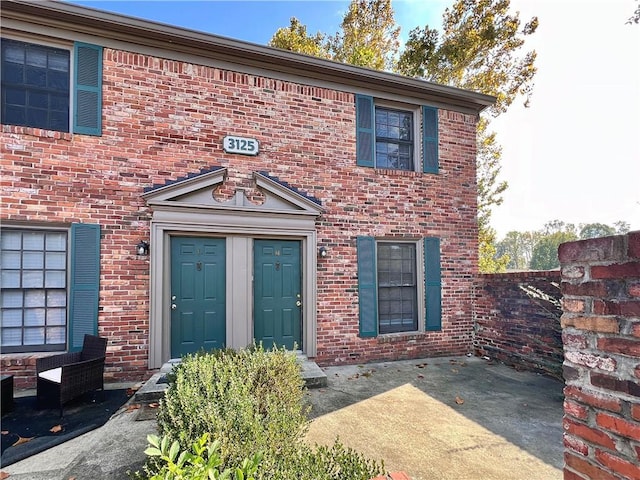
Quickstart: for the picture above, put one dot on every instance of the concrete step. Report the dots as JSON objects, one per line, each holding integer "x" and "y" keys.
{"x": 153, "y": 389}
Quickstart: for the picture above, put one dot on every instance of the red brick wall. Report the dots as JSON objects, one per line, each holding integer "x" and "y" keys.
{"x": 164, "y": 119}
{"x": 601, "y": 333}
{"x": 517, "y": 320}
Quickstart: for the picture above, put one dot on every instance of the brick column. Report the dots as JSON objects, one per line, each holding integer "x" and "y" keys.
{"x": 601, "y": 336}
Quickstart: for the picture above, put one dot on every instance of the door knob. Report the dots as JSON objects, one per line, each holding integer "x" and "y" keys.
{"x": 298, "y": 303}
{"x": 173, "y": 306}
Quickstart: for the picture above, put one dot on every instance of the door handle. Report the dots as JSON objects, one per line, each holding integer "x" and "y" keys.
{"x": 173, "y": 306}
{"x": 298, "y": 303}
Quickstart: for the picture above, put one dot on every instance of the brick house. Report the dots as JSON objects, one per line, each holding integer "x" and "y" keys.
{"x": 174, "y": 190}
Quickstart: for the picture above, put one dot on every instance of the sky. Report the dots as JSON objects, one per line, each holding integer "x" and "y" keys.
{"x": 572, "y": 155}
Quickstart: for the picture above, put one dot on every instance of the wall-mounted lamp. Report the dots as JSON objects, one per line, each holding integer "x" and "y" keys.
{"x": 142, "y": 248}
{"x": 322, "y": 252}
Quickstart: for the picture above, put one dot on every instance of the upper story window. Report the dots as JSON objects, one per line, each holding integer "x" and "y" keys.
{"x": 396, "y": 138}
{"x": 52, "y": 88}
{"x": 35, "y": 86}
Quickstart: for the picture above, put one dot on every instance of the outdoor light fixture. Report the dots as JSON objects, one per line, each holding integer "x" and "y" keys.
{"x": 322, "y": 252}
{"x": 142, "y": 248}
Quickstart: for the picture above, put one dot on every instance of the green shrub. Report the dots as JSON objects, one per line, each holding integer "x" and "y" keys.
{"x": 202, "y": 463}
{"x": 249, "y": 400}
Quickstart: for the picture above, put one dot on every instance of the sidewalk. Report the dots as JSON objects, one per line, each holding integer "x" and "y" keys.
{"x": 436, "y": 418}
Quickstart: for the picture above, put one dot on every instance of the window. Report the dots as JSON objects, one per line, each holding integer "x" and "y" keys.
{"x": 38, "y": 90}
{"x": 50, "y": 287}
{"x": 398, "y": 291}
{"x": 35, "y": 86}
{"x": 397, "y": 287}
{"x": 34, "y": 290}
{"x": 386, "y": 136}
{"x": 394, "y": 139}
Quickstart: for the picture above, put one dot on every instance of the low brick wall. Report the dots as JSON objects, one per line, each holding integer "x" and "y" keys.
{"x": 601, "y": 332}
{"x": 517, "y": 320}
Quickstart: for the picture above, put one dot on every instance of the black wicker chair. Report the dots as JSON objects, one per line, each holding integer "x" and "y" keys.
{"x": 64, "y": 377}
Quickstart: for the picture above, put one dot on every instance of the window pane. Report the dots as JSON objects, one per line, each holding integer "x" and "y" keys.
{"x": 33, "y": 241}
{"x": 55, "y": 279}
{"x": 11, "y": 240}
{"x": 34, "y": 298}
{"x": 38, "y": 100}
{"x": 34, "y": 336}
{"x": 11, "y": 298}
{"x": 11, "y": 337}
{"x": 36, "y": 57}
{"x": 13, "y": 74}
{"x": 15, "y": 115}
{"x": 56, "y": 316}
{"x": 56, "y": 260}
{"x": 56, "y": 241}
{"x": 34, "y": 317}
{"x": 10, "y": 259}
{"x": 32, "y": 279}
{"x": 56, "y": 298}
{"x": 33, "y": 260}
{"x": 16, "y": 96}
{"x": 59, "y": 61}
{"x": 35, "y": 77}
{"x": 55, "y": 335}
{"x": 11, "y": 318}
{"x": 13, "y": 52}
{"x": 11, "y": 279}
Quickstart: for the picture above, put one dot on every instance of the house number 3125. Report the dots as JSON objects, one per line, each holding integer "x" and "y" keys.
{"x": 241, "y": 145}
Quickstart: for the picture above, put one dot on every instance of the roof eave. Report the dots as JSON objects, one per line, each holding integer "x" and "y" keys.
{"x": 154, "y": 34}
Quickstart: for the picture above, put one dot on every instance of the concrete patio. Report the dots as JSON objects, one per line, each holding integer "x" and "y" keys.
{"x": 437, "y": 418}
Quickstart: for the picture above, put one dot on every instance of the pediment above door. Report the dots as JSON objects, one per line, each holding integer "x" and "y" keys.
{"x": 197, "y": 191}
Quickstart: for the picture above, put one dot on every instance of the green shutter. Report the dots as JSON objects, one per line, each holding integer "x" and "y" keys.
{"x": 87, "y": 98}
{"x": 367, "y": 288}
{"x": 84, "y": 283}
{"x": 365, "y": 135}
{"x": 429, "y": 139}
{"x": 433, "y": 284}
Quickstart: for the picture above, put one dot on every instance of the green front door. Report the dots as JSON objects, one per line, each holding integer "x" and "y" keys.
{"x": 277, "y": 294}
{"x": 197, "y": 294}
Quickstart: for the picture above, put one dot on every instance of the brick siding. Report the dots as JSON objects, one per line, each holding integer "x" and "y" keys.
{"x": 601, "y": 328}
{"x": 517, "y": 320}
{"x": 163, "y": 119}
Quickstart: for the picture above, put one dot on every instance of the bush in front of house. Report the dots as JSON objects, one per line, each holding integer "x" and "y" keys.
{"x": 251, "y": 402}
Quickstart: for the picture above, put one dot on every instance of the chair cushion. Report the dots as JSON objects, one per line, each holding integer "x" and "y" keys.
{"x": 53, "y": 375}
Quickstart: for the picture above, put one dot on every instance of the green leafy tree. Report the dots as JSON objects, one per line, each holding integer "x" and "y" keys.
{"x": 296, "y": 39}
{"x": 519, "y": 247}
{"x": 369, "y": 35}
{"x": 489, "y": 260}
{"x": 622, "y": 227}
{"x": 555, "y": 226}
{"x": 545, "y": 252}
{"x": 595, "y": 230}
